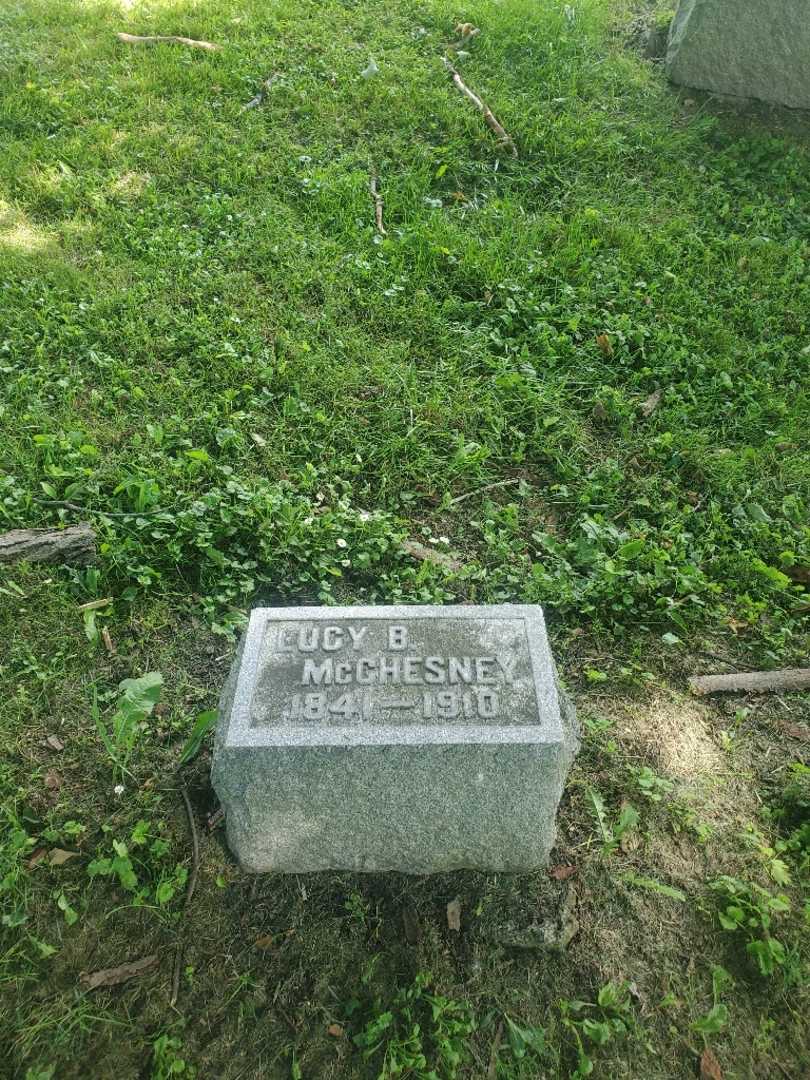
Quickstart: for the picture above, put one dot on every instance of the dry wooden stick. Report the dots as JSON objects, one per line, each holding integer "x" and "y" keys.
{"x": 751, "y": 682}
{"x": 503, "y": 136}
{"x": 151, "y": 39}
{"x": 480, "y": 491}
{"x": 378, "y": 205}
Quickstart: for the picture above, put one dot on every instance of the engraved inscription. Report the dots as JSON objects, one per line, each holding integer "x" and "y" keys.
{"x": 420, "y": 671}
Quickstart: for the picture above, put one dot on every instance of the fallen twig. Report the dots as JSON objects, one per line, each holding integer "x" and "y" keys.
{"x": 195, "y": 846}
{"x": 430, "y": 555}
{"x": 178, "y": 965}
{"x": 751, "y": 682}
{"x": 192, "y": 882}
{"x": 503, "y": 136}
{"x": 152, "y": 39}
{"x": 480, "y": 491}
{"x": 378, "y": 205}
{"x": 492, "y": 1071}
{"x": 262, "y": 94}
{"x": 91, "y": 510}
{"x": 721, "y": 659}
{"x": 75, "y": 544}
{"x": 94, "y": 605}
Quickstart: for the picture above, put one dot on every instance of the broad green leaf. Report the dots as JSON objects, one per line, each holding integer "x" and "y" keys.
{"x": 720, "y": 980}
{"x": 91, "y": 631}
{"x": 597, "y": 1031}
{"x": 609, "y": 996}
{"x": 99, "y": 867}
{"x": 71, "y": 915}
{"x": 164, "y": 892}
{"x": 143, "y": 693}
{"x": 779, "y": 871}
{"x": 714, "y": 1020}
{"x": 140, "y": 833}
{"x": 628, "y": 818}
{"x": 631, "y": 550}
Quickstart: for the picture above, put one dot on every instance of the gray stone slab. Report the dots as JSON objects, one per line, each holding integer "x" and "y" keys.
{"x": 744, "y": 48}
{"x": 411, "y": 738}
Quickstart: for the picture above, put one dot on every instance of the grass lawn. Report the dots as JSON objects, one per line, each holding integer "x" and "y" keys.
{"x": 209, "y": 352}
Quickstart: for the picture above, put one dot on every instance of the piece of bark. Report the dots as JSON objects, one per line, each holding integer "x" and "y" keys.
{"x": 751, "y": 682}
{"x": 75, "y": 545}
{"x": 151, "y": 39}
{"x": 117, "y": 975}
{"x": 503, "y": 136}
{"x": 427, "y": 554}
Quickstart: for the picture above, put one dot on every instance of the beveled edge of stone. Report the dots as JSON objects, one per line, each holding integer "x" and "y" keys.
{"x": 234, "y": 730}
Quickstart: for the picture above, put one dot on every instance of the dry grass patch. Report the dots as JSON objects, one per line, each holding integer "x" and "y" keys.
{"x": 674, "y": 733}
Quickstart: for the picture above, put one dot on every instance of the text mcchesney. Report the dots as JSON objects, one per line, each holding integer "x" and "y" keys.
{"x": 396, "y": 669}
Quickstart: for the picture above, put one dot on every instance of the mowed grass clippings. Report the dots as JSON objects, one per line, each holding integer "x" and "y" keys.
{"x": 209, "y": 350}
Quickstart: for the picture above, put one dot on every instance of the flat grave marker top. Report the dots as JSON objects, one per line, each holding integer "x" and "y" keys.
{"x": 405, "y": 675}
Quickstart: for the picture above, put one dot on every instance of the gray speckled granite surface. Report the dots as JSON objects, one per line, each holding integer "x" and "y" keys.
{"x": 744, "y": 48}
{"x": 417, "y": 738}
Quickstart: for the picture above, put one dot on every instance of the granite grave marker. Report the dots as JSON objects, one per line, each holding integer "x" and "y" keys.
{"x": 418, "y": 739}
{"x": 743, "y": 48}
